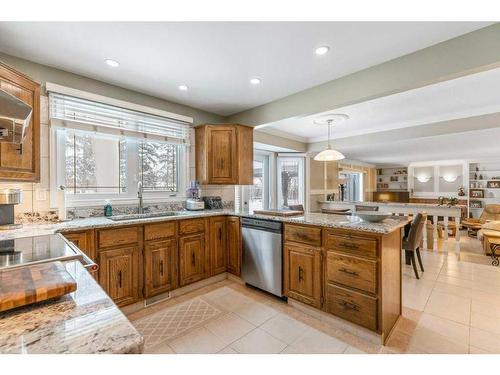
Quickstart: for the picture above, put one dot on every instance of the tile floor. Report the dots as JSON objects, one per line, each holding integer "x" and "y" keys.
{"x": 453, "y": 308}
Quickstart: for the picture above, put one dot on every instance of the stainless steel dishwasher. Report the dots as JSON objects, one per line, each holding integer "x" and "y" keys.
{"x": 262, "y": 254}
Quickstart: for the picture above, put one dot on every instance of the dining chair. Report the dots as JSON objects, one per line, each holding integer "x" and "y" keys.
{"x": 411, "y": 243}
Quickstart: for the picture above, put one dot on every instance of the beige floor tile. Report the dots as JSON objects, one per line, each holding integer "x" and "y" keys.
{"x": 316, "y": 342}
{"x": 474, "y": 350}
{"x": 227, "y": 350}
{"x": 284, "y": 328}
{"x": 459, "y": 333}
{"x": 449, "y": 306}
{"x": 198, "y": 341}
{"x": 485, "y": 322}
{"x": 353, "y": 350}
{"x": 229, "y": 328}
{"x": 255, "y": 312}
{"x": 258, "y": 342}
{"x": 453, "y": 289}
{"x": 490, "y": 308}
{"x": 231, "y": 301}
{"x": 426, "y": 341}
{"x": 159, "y": 349}
{"x": 485, "y": 340}
{"x": 415, "y": 296}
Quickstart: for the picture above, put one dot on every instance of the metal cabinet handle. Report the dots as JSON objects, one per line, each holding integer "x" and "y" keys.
{"x": 301, "y": 274}
{"x": 161, "y": 267}
{"x": 349, "y": 306}
{"x": 120, "y": 278}
{"x": 193, "y": 259}
{"x": 349, "y": 272}
{"x": 220, "y": 234}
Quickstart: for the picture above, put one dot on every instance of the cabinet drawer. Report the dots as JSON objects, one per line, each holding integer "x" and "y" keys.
{"x": 191, "y": 226}
{"x": 159, "y": 230}
{"x": 351, "y": 271}
{"x": 116, "y": 237}
{"x": 353, "y": 306}
{"x": 303, "y": 234}
{"x": 353, "y": 245}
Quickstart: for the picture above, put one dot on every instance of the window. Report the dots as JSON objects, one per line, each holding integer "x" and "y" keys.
{"x": 259, "y": 191}
{"x": 104, "y": 164}
{"x": 104, "y": 149}
{"x": 290, "y": 176}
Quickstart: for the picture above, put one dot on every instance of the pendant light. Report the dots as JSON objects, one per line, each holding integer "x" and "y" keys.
{"x": 330, "y": 154}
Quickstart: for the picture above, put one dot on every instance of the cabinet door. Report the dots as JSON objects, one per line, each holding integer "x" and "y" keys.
{"x": 222, "y": 155}
{"x": 233, "y": 246}
{"x": 303, "y": 274}
{"x": 22, "y": 162}
{"x": 159, "y": 263}
{"x": 84, "y": 240}
{"x": 218, "y": 245}
{"x": 119, "y": 274}
{"x": 192, "y": 259}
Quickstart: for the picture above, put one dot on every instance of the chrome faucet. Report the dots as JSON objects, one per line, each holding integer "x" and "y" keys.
{"x": 140, "y": 190}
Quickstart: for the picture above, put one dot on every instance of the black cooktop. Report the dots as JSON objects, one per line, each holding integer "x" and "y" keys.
{"x": 21, "y": 251}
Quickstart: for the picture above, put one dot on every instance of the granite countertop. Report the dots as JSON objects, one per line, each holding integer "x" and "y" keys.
{"x": 85, "y": 321}
{"x": 398, "y": 204}
{"x": 325, "y": 220}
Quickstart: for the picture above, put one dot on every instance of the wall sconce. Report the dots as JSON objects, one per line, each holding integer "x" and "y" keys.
{"x": 423, "y": 178}
{"x": 450, "y": 178}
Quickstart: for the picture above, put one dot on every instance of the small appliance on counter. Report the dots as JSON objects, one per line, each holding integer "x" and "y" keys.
{"x": 193, "y": 202}
{"x": 9, "y": 198}
{"x": 213, "y": 203}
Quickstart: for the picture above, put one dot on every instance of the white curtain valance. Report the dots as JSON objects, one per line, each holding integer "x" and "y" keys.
{"x": 83, "y": 114}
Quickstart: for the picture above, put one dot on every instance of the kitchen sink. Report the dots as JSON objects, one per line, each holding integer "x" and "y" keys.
{"x": 146, "y": 216}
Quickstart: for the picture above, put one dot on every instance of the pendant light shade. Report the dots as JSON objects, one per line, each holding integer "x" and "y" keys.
{"x": 329, "y": 154}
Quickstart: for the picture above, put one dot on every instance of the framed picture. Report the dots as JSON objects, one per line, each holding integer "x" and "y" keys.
{"x": 475, "y": 204}
{"x": 493, "y": 184}
{"x": 476, "y": 193}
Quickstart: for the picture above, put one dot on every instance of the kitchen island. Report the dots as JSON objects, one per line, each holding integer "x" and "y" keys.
{"x": 85, "y": 321}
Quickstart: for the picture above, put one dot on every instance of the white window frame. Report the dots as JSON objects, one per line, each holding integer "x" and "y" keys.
{"x": 302, "y": 175}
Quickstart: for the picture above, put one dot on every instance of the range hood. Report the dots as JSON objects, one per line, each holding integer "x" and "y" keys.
{"x": 15, "y": 118}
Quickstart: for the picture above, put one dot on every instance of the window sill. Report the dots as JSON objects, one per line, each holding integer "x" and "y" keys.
{"x": 86, "y": 202}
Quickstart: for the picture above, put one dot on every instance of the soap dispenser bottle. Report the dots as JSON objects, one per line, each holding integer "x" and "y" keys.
{"x": 108, "y": 210}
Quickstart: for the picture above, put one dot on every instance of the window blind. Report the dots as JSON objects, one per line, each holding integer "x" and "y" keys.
{"x": 84, "y": 114}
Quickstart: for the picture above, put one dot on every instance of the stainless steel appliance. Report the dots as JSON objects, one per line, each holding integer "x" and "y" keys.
{"x": 8, "y": 199}
{"x": 262, "y": 254}
{"x": 15, "y": 118}
{"x": 195, "y": 204}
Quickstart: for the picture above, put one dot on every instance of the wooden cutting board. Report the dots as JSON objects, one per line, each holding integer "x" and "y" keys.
{"x": 279, "y": 212}
{"x": 26, "y": 285}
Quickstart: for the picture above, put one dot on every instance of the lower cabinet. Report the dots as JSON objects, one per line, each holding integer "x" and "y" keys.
{"x": 160, "y": 261}
{"x": 233, "y": 245}
{"x": 218, "y": 245}
{"x": 302, "y": 274}
{"x": 119, "y": 273}
{"x": 84, "y": 240}
{"x": 191, "y": 258}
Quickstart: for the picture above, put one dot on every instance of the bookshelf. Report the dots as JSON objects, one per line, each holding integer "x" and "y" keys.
{"x": 392, "y": 179}
{"x": 484, "y": 186}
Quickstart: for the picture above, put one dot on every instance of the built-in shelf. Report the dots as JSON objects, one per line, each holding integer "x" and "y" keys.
{"x": 487, "y": 170}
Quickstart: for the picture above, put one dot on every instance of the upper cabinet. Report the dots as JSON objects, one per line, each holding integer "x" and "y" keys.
{"x": 21, "y": 162}
{"x": 224, "y": 154}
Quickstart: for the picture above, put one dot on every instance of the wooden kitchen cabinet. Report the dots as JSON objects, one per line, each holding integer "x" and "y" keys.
{"x": 84, "y": 240}
{"x": 119, "y": 272}
{"x": 160, "y": 260}
{"x": 233, "y": 245}
{"x": 218, "y": 245}
{"x": 21, "y": 162}
{"x": 192, "y": 258}
{"x": 224, "y": 154}
{"x": 302, "y": 274}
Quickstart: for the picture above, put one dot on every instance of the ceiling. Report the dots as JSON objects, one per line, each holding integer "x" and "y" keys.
{"x": 216, "y": 60}
{"x": 463, "y": 97}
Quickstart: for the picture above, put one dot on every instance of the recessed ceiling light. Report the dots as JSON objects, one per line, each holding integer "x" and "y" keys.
{"x": 255, "y": 81}
{"x": 183, "y": 87}
{"x": 322, "y": 50}
{"x": 112, "y": 63}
